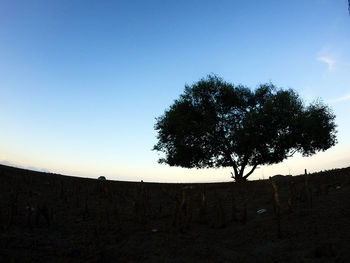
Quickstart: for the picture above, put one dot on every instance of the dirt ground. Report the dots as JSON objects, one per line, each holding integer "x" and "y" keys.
{"x": 54, "y": 218}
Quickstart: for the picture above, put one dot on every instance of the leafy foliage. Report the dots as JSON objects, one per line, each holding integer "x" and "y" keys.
{"x": 217, "y": 124}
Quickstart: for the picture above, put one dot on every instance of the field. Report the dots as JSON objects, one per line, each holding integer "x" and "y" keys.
{"x": 55, "y": 218}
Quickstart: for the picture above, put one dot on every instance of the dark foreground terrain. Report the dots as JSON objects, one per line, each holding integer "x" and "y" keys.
{"x": 54, "y": 218}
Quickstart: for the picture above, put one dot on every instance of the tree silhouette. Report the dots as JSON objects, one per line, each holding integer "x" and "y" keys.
{"x": 217, "y": 124}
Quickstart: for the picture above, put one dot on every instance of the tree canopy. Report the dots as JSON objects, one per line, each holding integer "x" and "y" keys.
{"x": 218, "y": 124}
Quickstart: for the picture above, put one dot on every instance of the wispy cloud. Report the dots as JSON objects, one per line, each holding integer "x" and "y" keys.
{"x": 330, "y": 61}
{"x": 340, "y": 99}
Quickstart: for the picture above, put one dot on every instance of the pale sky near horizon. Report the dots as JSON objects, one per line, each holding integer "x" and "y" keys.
{"x": 82, "y": 82}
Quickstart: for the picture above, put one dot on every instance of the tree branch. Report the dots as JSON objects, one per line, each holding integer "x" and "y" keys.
{"x": 231, "y": 160}
{"x": 239, "y": 170}
{"x": 292, "y": 153}
{"x": 251, "y": 171}
{"x": 235, "y": 168}
{"x": 243, "y": 165}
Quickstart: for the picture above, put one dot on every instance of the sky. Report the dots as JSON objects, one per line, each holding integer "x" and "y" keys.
{"x": 81, "y": 82}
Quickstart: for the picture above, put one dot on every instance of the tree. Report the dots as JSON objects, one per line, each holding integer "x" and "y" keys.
{"x": 217, "y": 124}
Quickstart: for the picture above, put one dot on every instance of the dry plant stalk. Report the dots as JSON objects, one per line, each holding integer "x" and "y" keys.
{"x": 233, "y": 207}
{"x": 308, "y": 192}
{"x": 175, "y": 213}
{"x": 116, "y": 215}
{"x": 12, "y": 207}
{"x": 277, "y": 207}
{"x": 244, "y": 211}
{"x": 184, "y": 211}
{"x": 139, "y": 207}
{"x": 243, "y": 191}
{"x": 29, "y": 212}
{"x": 42, "y": 211}
{"x": 203, "y": 207}
{"x": 220, "y": 213}
{"x": 292, "y": 196}
{"x": 86, "y": 212}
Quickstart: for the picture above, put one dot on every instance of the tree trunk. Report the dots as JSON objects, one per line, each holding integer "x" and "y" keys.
{"x": 239, "y": 173}
{"x": 240, "y": 178}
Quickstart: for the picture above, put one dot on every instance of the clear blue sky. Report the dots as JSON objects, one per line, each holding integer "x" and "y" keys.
{"x": 81, "y": 82}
